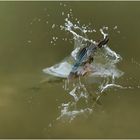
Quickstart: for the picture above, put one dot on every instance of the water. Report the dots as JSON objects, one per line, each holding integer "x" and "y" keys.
{"x": 103, "y": 68}
{"x": 34, "y": 105}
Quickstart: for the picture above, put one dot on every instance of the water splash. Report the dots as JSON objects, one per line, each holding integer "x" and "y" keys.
{"x": 104, "y": 75}
{"x": 67, "y": 115}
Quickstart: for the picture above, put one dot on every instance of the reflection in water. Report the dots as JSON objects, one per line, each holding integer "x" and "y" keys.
{"x": 104, "y": 71}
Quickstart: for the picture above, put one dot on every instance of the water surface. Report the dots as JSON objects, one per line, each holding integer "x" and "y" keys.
{"x": 29, "y": 108}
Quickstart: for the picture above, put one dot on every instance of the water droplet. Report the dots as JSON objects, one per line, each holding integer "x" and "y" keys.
{"x": 29, "y": 41}
{"x": 53, "y": 26}
{"x": 50, "y": 125}
{"x": 63, "y": 13}
{"x": 115, "y": 27}
{"x": 118, "y": 32}
{"x": 68, "y": 15}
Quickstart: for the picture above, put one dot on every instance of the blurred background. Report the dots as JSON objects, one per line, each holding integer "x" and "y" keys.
{"x": 27, "y": 46}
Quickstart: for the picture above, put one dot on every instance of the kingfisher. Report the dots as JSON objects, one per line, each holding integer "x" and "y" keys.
{"x": 85, "y": 57}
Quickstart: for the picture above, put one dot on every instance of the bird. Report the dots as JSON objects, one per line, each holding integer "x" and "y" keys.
{"x": 85, "y": 57}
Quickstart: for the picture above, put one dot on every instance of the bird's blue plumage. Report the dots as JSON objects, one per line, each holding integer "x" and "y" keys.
{"x": 85, "y": 55}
